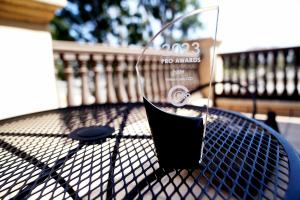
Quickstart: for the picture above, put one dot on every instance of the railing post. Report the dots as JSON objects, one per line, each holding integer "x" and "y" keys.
{"x": 161, "y": 81}
{"x": 247, "y": 64}
{"x": 131, "y": 80}
{"x": 147, "y": 78}
{"x": 194, "y": 74}
{"x": 83, "y": 71}
{"x": 236, "y": 75}
{"x": 274, "y": 70}
{"x": 255, "y": 64}
{"x": 265, "y": 66}
{"x": 167, "y": 71}
{"x": 230, "y": 74}
{"x": 225, "y": 70}
{"x": 27, "y": 77}
{"x": 122, "y": 94}
{"x": 285, "y": 61}
{"x": 296, "y": 69}
{"x": 68, "y": 70}
{"x": 154, "y": 71}
{"x": 139, "y": 86}
{"x": 239, "y": 73}
{"x": 111, "y": 93}
{"x": 97, "y": 60}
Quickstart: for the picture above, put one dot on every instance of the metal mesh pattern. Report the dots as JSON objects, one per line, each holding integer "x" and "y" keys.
{"x": 38, "y": 160}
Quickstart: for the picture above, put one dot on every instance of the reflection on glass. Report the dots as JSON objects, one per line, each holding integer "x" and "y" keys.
{"x": 177, "y": 130}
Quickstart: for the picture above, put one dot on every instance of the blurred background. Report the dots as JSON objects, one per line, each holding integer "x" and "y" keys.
{"x": 57, "y": 53}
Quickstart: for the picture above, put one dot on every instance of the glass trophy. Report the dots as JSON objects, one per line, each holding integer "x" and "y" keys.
{"x": 168, "y": 70}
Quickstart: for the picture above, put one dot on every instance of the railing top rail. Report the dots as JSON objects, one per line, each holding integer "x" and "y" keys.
{"x": 259, "y": 50}
{"x": 74, "y": 47}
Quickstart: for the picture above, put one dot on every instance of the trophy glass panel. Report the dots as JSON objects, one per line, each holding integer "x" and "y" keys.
{"x": 170, "y": 69}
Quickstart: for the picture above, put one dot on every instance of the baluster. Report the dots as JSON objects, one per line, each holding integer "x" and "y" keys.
{"x": 252, "y": 73}
{"x": 83, "y": 70}
{"x": 226, "y": 86}
{"x": 172, "y": 74}
{"x": 247, "y": 67}
{"x": 132, "y": 92}
{"x": 180, "y": 81}
{"x": 111, "y": 93}
{"x": 269, "y": 76}
{"x": 188, "y": 69}
{"x": 280, "y": 73}
{"x": 121, "y": 90}
{"x": 238, "y": 73}
{"x": 260, "y": 72}
{"x": 256, "y": 62}
{"x": 194, "y": 74}
{"x": 290, "y": 72}
{"x": 167, "y": 77}
{"x": 161, "y": 81}
{"x": 230, "y": 75}
{"x": 285, "y": 64}
{"x": 175, "y": 67}
{"x": 154, "y": 80}
{"x": 69, "y": 73}
{"x": 274, "y": 69}
{"x": 222, "y": 92}
{"x": 242, "y": 74}
{"x": 147, "y": 78}
{"x": 138, "y": 84}
{"x": 265, "y": 68}
{"x": 296, "y": 69}
{"x": 98, "y": 60}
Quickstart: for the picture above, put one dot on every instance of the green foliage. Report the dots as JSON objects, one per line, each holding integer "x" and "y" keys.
{"x": 59, "y": 70}
{"x": 118, "y": 21}
{"x": 59, "y": 29}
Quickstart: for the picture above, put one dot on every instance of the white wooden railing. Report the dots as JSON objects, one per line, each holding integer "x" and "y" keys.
{"x": 113, "y": 73}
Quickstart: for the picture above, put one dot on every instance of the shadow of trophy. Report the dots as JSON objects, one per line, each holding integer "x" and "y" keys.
{"x": 178, "y": 132}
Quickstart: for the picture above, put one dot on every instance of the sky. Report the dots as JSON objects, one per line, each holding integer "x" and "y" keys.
{"x": 256, "y": 24}
{"x": 252, "y": 24}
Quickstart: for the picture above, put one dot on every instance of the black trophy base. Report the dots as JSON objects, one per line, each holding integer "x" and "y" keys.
{"x": 177, "y": 139}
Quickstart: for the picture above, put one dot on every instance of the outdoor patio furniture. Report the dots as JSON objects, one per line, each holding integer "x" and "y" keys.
{"x": 39, "y": 158}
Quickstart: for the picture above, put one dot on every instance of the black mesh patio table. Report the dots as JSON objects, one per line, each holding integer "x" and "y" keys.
{"x": 243, "y": 159}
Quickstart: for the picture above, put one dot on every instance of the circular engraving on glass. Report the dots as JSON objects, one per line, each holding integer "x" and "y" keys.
{"x": 178, "y": 95}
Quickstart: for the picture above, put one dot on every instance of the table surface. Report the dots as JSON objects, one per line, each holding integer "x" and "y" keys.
{"x": 243, "y": 159}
